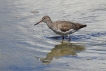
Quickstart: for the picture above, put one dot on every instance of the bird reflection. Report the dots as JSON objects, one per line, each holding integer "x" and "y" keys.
{"x": 62, "y": 49}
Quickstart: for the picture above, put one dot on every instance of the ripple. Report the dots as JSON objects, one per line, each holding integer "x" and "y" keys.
{"x": 64, "y": 49}
{"x": 79, "y": 37}
{"x": 20, "y": 44}
{"x": 97, "y": 34}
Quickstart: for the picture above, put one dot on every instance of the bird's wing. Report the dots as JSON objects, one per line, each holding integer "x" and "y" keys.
{"x": 66, "y": 26}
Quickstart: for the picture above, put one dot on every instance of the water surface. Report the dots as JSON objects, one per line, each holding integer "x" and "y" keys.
{"x": 25, "y": 47}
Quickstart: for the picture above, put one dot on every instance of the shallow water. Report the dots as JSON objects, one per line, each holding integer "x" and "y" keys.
{"x": 25, "y": 47}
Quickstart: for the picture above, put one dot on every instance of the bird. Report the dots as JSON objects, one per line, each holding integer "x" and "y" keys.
{"x": 62, "y": 28}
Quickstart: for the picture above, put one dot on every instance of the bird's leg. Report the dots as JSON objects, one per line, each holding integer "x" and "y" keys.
{"x": 62, "y": 37}
{"x": 69, "y": 37}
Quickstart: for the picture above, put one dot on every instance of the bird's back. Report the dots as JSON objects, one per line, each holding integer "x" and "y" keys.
{"x": 65, "y": 27}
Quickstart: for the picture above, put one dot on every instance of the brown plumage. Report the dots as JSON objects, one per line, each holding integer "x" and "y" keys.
{"x": 61, "y": 27}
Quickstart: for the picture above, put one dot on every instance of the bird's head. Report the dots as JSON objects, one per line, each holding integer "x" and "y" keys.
{"x": 44, "y": 19}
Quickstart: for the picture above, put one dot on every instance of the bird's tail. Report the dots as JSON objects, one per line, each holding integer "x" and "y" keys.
{"x": 81, "y": 26}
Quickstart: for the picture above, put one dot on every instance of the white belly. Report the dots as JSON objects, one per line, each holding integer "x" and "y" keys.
{"x": 59, "y": 32}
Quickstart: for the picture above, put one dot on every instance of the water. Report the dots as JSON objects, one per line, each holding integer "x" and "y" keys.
{"x": 25, "y": 47}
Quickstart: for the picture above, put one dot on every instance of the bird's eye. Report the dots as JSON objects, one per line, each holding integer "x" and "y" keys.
{"x": 43, "y": 18}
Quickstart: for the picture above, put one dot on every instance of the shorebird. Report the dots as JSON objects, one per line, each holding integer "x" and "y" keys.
{"x": 61, "y": 27}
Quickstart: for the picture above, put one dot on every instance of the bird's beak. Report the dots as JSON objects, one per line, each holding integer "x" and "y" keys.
{"x": 38, "y": 22}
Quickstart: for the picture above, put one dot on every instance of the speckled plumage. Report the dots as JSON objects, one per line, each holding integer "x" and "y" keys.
{"x": 61, "y": 27}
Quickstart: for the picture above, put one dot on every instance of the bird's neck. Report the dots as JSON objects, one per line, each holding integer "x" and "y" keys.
{"x": 49, "y": 23}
